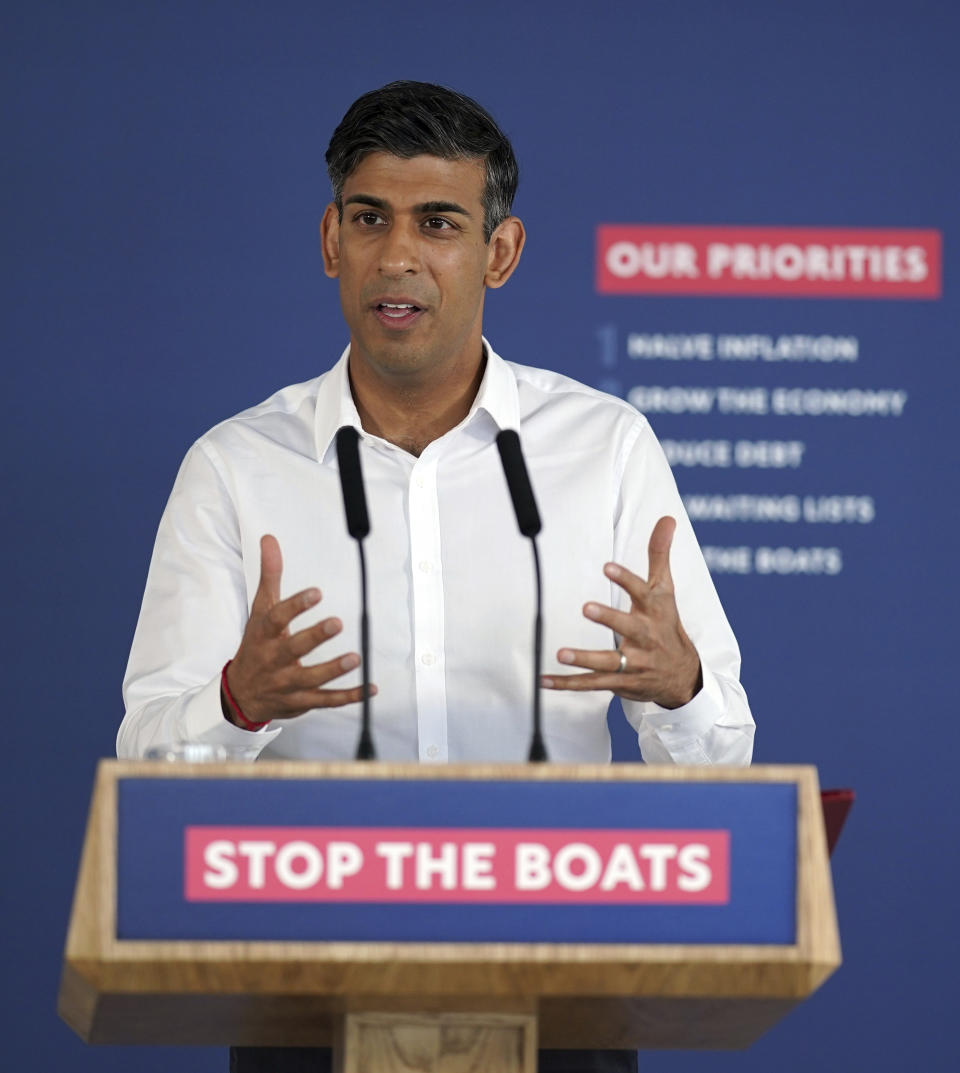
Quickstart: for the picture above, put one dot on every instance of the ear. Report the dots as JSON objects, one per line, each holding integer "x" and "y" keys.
{"x": 505, "y": 247}
{"x": 330, "y": 240}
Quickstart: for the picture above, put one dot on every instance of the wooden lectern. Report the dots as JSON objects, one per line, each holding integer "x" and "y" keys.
{"x": 679, "y": 908}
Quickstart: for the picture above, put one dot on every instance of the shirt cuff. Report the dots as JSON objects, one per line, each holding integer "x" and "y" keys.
{"x": 203, "y": 720}
{"x": 681, "y": 728}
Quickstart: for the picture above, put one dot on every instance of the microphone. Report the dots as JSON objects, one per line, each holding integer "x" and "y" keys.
{"x": 528, "y": 521}
{"x": 358, "y": 526}
{"x": 351, "y": 482}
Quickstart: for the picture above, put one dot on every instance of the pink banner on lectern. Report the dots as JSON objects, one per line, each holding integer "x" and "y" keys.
{"x": 470, "y": 865}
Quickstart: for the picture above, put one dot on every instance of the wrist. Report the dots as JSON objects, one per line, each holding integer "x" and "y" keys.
{"x": 688, "y": 687}
{"x": 232, "y": 711}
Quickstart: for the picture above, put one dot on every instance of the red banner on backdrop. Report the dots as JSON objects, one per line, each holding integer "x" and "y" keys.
{"x": 768, "y": 261}
{"x": 391, "y": 864}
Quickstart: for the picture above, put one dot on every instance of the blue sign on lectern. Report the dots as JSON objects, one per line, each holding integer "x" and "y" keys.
{"x": 450, "y": 860}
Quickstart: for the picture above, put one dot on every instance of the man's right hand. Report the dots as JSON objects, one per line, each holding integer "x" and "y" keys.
{"x": 265, "y": 676}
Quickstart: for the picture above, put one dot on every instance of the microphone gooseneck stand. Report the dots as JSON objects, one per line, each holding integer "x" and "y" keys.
{"x": 358, "y": 526}
{"x": 528, "y": 521}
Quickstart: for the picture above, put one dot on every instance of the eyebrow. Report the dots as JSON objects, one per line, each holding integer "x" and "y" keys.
{"x": 422, "y": 208}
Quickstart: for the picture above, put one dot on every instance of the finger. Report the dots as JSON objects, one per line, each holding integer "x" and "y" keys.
{"x": 298, "y": 703}
{"x": 271, "y": 569}
{"x": 605, "y": 661}
{"x": 293, "y": 682}
{"x": 279, "y": 617}
{"x": 580, "y": 683}
{"x": 658, "y": 551}
{"x": 623, "y": 623}
{"x": 305, "y": 641}
{"x": 632, "y": 584}
{"x": 318, "y": 674}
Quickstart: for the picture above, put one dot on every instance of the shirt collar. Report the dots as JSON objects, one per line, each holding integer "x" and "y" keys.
{"x": 497, "y": 397}
{"x": 335, "y": 407}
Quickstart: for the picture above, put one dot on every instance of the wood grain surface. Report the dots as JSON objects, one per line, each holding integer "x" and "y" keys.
{"x": 442, "y": 1043}
{"x": 298, "y": 993}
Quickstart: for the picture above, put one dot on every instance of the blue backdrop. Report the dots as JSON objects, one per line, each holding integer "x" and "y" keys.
{"x": 163, "y": 179}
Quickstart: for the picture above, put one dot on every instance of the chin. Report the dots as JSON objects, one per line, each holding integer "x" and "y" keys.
{"x": 396, "y": 357}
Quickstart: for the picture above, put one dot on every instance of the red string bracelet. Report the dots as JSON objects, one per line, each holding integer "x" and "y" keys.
{"x": 245, "y": 723}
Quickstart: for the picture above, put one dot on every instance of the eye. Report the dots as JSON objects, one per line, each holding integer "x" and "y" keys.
{"x": 368, "y": 218}
{"x": 439, "y": 223}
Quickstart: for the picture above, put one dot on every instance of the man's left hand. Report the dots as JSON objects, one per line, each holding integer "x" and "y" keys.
{"x": 659, "y": 662}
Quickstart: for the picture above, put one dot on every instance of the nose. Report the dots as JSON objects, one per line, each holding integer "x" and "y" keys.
{"x": 399, "y": 254}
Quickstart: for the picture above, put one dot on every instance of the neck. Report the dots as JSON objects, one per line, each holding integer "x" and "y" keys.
{"x": 412, "y": 415}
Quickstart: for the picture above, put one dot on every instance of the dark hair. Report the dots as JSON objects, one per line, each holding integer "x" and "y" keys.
{"x": 410, "y": 119}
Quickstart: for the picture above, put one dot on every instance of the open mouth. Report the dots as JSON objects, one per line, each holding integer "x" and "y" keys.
{"x": 397, "y": 314}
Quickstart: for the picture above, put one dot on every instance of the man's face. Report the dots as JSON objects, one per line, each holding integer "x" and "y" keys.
{"x": 412, "y": 264}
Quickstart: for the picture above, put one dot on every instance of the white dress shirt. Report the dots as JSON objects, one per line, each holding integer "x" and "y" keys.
{"x": 450, "y": 579}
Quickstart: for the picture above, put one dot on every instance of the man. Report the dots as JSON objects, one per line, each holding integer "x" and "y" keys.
{"x": 237, "y": 645}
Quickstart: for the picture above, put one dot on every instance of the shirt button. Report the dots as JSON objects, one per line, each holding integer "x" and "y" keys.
{"x": 433, "y": 751}
{"x": 424, "y": 566}
{"x": 426, "y": 659}
{"x": 418, "y": 481}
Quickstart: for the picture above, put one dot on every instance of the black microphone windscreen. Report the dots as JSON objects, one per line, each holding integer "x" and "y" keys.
{"x": 518, "y": 481}
{"x": 351, "y": 482}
